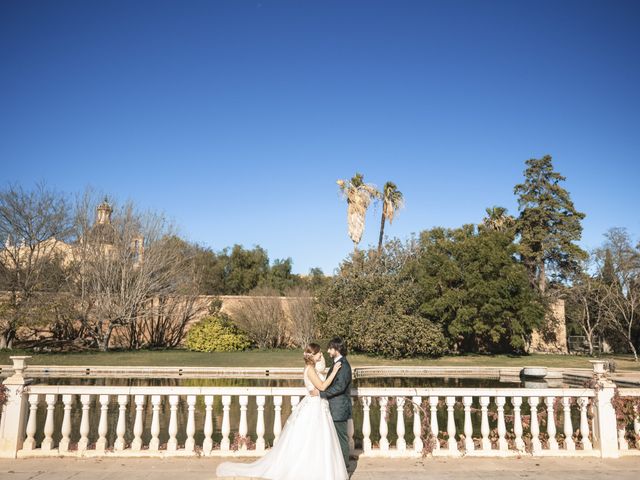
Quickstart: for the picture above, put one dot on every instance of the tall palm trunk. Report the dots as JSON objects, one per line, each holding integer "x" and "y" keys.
{"x": 382, "y": 221}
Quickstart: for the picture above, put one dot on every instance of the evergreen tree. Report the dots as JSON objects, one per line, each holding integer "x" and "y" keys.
{"x": 473, "y": 285}
{"x": 608, "y": 272}
{"x": 548, "y": 225}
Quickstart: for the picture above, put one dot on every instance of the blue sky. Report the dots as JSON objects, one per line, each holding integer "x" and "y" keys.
{"x": 237, "y": 117}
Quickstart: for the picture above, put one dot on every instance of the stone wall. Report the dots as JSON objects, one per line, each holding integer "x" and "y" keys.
{"x": 552, "y": 337}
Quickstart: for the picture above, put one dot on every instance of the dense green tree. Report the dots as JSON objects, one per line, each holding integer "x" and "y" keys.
{"x": 210, "y": 271}
{"x": 237, "y": 271}
{"x": 244, "y": 269}
{"x": 316, "y": 279}
{"x": 280, "y": 277}
{"x": 548, "y": 225}
{"x": 608, "y": 271}
{"x": 376, "y": 308}
{"x": 471, "y": 282}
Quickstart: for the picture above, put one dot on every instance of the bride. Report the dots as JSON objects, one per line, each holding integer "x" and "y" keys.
{"x": 308, "y": 446}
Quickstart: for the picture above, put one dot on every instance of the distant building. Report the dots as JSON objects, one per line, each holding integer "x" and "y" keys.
{"x": 103, "y": 234}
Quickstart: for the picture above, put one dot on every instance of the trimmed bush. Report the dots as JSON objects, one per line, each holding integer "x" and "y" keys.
{"x": 216, "y": 333}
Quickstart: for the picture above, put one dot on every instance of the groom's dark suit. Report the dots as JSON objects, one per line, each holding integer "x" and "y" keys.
{"x": 339, "y": 396}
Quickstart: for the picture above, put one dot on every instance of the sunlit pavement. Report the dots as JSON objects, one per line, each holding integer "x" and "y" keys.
{"x": 369, "y": 469}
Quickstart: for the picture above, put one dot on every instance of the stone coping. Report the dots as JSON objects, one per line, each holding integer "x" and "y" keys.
{"x": 577, "y": 374}
{"x": 376, "y": 370}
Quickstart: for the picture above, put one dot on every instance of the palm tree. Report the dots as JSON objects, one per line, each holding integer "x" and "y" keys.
{"x": 392, "y": 201}
{"x": 498, "y": 219}
{"x": 359, "y": 196}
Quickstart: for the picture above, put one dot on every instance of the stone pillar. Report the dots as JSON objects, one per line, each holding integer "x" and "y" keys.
{"x": 14, "y": 412}
{"x": 605, "y": 428}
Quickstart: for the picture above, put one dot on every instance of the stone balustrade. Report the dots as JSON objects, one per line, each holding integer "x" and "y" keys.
{"x": 86, "y": 420}
{"x": 629, "y": 431}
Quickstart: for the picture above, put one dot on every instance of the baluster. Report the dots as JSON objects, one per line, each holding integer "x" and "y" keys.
{"x": 172, "y": 444}
{"x": 502, "y": 428}
{"x": 351, "y": 431}
{"x": 536, "y": 446}
{"x": 30, "y": 442}
{"x": 584, "y": 423}
{"x": 366, "y": 425}
{"x": 207, "y": 444}
{"x": 101, "y": 443}
{"x": 384, "y": 429}
{"x": 451, "y": 425}
{"x": 551, "y": 423}
{"x": 47, "y": 443}
{"x": 622, "y": 441}
{"x": 568, "y": 427}
{"x": 66, "y": 423}
{"x": 260, "y": 401}
{"x": 401, "y": 443}
{"x": 484, "y": 424}
{"x": 154, "y": 443}
{"x": 468, "y": 426}
{"x": 136, "y": 444}
{"x": 121, "y": 425}
{"x": 277, "y": 418}
{"x": 517, "y": 422}
{"x": 295, "y": 401}
{"x": 84, "y": 423}
{"x": 225, "y": 444}
{"x": 433, "y": 403}
{"x": 418, "y": 444}
{"x": 190, "y": 443}
{"x": 243, "y": 427}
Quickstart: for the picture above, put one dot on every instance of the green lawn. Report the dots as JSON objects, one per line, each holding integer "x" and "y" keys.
{"x": 292, "y": 358}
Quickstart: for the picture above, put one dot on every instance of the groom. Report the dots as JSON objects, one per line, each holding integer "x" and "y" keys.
{"x": 339, "y": 394}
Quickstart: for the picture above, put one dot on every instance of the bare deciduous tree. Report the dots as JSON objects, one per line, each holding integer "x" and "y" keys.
{"x": 125, "y": 259}
{"x": 262, "y": 317}
{"x": 623, "y": 305}
{"x": 590, "y": 296}
{"x": 300, "y": 304}
{"x": 32, "y": 225}
{"x": 164, "y": 322}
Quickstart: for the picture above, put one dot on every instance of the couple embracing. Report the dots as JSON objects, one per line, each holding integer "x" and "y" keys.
{"x": 314, "y": 444}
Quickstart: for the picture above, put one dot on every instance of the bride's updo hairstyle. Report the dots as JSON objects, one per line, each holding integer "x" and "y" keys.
{"x": 309, "y": 352}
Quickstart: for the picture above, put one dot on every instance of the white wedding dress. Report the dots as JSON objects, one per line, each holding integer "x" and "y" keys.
{"x": 307, "y": 449}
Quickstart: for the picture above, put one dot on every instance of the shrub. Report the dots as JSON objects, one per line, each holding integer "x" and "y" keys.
{"x": 216, "y": 333}
{"x": 376, "y": 309}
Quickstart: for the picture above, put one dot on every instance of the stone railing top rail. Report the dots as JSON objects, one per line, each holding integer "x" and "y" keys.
{"x": 629, "y": 392}
{"x": 299, "y": 391}
{"x": 366, "y": 368}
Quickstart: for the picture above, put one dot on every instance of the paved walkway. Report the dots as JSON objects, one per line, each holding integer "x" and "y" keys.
{"x": 369, "y": 469}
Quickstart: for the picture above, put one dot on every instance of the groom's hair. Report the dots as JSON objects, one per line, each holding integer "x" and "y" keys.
{"x": 338, "y": 344}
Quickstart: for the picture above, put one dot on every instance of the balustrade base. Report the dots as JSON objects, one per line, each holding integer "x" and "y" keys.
{"x": 136, "y": 453}
{"x": 629, "y": 453}
{"x": 392, "y": 453}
